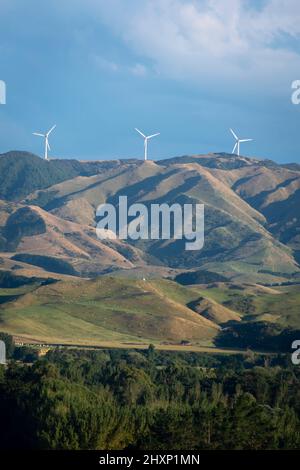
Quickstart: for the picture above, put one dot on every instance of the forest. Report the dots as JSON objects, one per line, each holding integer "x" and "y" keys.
{"x": 129, "y": 399}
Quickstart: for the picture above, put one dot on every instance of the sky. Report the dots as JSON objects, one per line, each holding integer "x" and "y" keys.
{"x": 189, "y": 69}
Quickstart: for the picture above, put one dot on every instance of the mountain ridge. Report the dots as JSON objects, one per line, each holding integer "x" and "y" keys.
{"x": 242, "y": 197}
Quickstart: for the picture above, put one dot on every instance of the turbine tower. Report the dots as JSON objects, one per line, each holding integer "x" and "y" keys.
{"x": 238, "y": 142}
{"x": 46, "y": 137}
{"x": 146, "y": 138}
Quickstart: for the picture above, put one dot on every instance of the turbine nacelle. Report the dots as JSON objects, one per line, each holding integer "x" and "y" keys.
{"x": 146, "y": 138}
{"x": 238, "y": 141}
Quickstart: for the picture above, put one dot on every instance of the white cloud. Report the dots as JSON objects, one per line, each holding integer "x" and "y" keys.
{"x": 102, "y": 63}
{"x": 138, "y": 70}
{"x": 105, "y": 64}
{"x": 208, "y": 40}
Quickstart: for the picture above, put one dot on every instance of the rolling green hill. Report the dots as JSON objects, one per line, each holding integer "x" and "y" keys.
{"x": 107, "y": 309}
{"x": 116, "y": 311}
{"x": 280, "y": 304}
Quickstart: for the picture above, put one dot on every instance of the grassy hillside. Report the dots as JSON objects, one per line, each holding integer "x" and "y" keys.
{"x": 107, "y": 309}
{"x": 275, "y": 193}
{"x": 120, "y": 311}
{"x": 279, "y": 305}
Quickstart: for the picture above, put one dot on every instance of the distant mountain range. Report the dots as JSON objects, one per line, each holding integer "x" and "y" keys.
{"x": 252, "y": 231}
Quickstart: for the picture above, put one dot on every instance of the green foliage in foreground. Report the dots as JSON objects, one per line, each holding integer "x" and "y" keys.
{"x": 150, "y": 400}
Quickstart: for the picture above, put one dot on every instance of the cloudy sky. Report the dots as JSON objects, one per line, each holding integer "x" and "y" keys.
{"x": 189, "y": 69}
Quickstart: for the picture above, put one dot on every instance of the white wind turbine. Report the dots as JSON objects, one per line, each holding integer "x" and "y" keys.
{"x": 46, "y": 137}
{"x": 146, "y": 138}
{"x": 238, "y": 142}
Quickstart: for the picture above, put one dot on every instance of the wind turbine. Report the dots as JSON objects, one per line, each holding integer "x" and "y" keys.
{"x": 47, "y": 146}
{"x": 146, "y": 138}
{"x": 238, "y": 142}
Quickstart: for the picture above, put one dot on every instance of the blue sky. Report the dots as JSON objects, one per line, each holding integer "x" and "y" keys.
{"x": 189, "y": 69}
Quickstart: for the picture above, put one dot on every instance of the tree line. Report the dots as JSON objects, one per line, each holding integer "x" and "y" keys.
{"x": 111, "y": 399}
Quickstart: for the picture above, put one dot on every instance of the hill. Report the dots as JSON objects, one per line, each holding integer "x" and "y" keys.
{"x": 254, "y": 303}
{"x": 125, "y": 312}
{"x": 36, "y": 237}
{"x": 237, "y": 239}
{"x": 213, "y": 311}
{"x": 275, "y": 193}
{"x": 107, "y": 309}
{"x": 21, "y": 173}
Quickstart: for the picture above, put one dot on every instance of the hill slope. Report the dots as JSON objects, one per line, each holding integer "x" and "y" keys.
{"x": 251, "y": 211}
{"x": 21, "y": 173}
{"x": 34, "y": 236}
{"x": 236, "y": 237}
{"x": 110, "y": 309}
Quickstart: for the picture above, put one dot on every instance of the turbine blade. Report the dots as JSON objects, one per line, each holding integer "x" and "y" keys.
{"x": 234, "y": 134}
{"x": 49, "y": 148}
{"x": 234, "y": 148}
{"x": 153, "y": 135}
{"x": 52, "y": 128}
{"x": 143, "y": 135}
{"x": 37, "y": 133}
{"x": 246, "y": 140}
